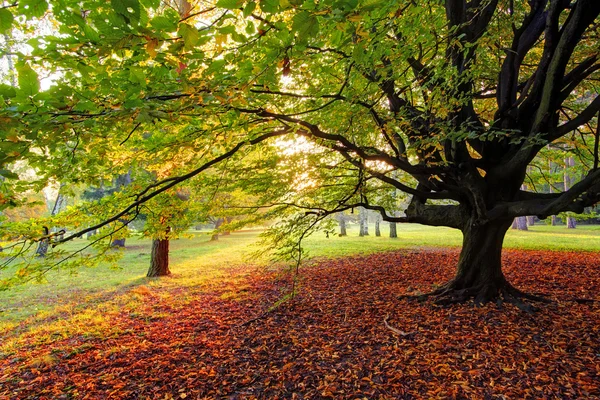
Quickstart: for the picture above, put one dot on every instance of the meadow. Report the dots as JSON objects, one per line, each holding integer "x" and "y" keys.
{"x": 217, "y": 327}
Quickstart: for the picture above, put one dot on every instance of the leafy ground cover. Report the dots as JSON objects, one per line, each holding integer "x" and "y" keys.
{"x": 346, "y": 335}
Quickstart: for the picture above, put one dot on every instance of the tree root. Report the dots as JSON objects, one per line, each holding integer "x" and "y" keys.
{"x": 453, "y": 293}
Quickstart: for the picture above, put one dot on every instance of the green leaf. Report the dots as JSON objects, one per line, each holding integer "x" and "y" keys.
{"x": 6, "y": 20}
{"x": 7, "y": 91}
{"x": 190, "y": 35}
{"x": 130, "y": 10}
{"x": 230, "y": 4}
{"x": 33, "y": 8}
{"x": 269, "y": 6}
{"x": 28, "y": 80}
{"x": 305, "y": 25}
{"x": 8, "y": 174}
{"x": 250, "y": 7}
{"x": 137, "y": 75}
{"x": 164, "y": 23}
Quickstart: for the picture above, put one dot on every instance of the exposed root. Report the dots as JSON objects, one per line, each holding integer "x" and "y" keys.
{"x": 454, "y": 293}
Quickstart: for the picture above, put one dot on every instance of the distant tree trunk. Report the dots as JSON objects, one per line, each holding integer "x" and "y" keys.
{"x": 393, "y": 230}
{"x": 218, "y": 223}
{"x": 553, "y": 220}
{"x": 116, "y": 243}
{"x": 227, "y": 220}
{"x": 377, "y": 221}
{"x": 342, "y": 221}
{"x": 569, "y": 162}
{"x": 363, "y": 220}
{"x": 520, "y": 223}
{"x": 530, "y": 220}
{"x": 159, "y": 260}
{"x": 42, "y": 248}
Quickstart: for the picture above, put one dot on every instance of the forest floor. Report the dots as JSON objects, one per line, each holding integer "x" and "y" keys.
{"x": 346, "y": 335}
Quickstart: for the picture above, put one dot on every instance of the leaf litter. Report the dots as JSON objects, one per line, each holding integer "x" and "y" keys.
{"x": 346, "y": 335}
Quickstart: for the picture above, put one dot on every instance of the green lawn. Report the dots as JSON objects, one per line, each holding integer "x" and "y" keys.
{"x": 197, "y": 259}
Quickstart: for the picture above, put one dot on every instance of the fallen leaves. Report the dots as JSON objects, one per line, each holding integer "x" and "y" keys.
{"x": 333, "y": 340}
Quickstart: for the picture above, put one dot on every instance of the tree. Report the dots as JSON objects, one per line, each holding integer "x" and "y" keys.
{"x": 159, "y": 257}
{"x": 386, "y": 96}
{"x": 342, "y": 221}
{"x": 363, "y": 222}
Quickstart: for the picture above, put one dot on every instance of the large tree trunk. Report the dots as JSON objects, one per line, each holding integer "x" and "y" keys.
{"x": 530, "y": 220}
{"x": 159, "y": 260}
{"x": 479, "y": 273}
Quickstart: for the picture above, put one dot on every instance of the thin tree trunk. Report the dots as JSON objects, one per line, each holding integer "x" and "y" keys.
{"x": 377, "y": 222}
{"x": 530, "y": 220}
{"x": 342, "y": 221}
{"x": 159, "y": 260}
{"x": 569, "y": 162}
{"x": 553, "y": 220}
{"x": 363, "y": 222}
{"x": 218, "y": 223}
{"x": 393, "y": 230}
{"x": 227, "y": 221}
{"x": 59, "y": 204}
{"x": 42, "y": 248}
{"x": 393, "y": 225}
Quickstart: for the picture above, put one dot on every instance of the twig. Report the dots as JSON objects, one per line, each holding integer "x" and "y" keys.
{"x": 396, "y": 331}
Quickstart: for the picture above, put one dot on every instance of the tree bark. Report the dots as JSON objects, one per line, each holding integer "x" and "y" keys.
{"x": 530, "y": 220}
{"x": 479, "y": 273}
{"x": 363, "y": 222}
{"x": 377, "y": 222}
{"x": 42, "y": 248}
{"x": 393, "y": 230}
{"x": 569, "y": 162}
{"x": 159, "y": 260}
{"x": 218, "y": 223}
{"x": 342, "y": 221}
{"x": 520, "y": 223}
{"x": 118, "y": 243}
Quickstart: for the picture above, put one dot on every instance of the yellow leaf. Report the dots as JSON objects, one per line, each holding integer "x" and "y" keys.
{"x": 151, "y": 46}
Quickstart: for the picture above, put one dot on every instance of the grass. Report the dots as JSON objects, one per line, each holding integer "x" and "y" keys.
{"x": 197, "y": 260}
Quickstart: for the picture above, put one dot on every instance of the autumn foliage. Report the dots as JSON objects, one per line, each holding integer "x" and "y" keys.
{"x": 331, "y": 341}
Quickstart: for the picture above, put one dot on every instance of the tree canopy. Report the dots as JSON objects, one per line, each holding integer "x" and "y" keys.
{"x": 315, "y": 107}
